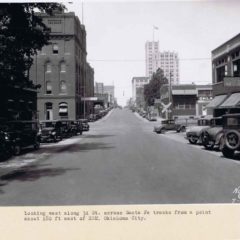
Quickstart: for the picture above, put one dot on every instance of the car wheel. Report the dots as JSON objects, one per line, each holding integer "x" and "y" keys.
{"x": 163, "y": 130}
{"x": 16, "y": 149}
{"x": 182, "y": 129}
{"x": 232, "y": 140}
{"x": 192, "y": 140}
{"x": 228, "y": 153}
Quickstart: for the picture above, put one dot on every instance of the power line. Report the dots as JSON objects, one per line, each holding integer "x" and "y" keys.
{"x": 143, "y": 60}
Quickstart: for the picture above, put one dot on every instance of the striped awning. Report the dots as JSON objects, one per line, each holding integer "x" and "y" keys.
{"x": 232, "y": 101}
{"x": 217, "y": 101}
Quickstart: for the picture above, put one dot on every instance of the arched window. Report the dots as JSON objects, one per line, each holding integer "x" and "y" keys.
{"x": 63, "y": 87}
{"x": 48, "y": 87}
{"x": 63, "y": 109}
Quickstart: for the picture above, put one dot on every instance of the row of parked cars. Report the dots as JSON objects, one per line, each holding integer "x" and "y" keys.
{"x": 222, "y": 133}
{"x": 17, "y": 135}
{"x": 151, "y": 116}
{"x": 96, "y": 116}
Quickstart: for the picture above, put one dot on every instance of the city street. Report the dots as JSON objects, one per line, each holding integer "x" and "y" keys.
{"x": 119, "y": 161}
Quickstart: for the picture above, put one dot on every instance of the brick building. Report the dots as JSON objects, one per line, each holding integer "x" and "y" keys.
{"x": 226, "y": 77}
{"x": 62, "y": 70}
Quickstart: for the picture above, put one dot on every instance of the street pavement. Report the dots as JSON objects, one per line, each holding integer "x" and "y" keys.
{"x": 119, "y": 161}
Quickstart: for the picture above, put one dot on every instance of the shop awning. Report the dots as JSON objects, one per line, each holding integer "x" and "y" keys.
{"x": 216, "y": 101}
{"x": 232, "y": 101}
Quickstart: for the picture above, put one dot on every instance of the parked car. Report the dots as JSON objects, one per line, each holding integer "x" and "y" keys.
{"x": 76, "y": 127}
{"x": 23, "y": 134}
{"x": 51, "y": 131}
{"x": 167, "y": 125}
{"x": 92, "y": 117}
{"x": 85, "y": 125}
{"x": 231, "y": 135}
{"x": 211, "y": 136}
{"x": 193, "y": 134}
{"x": 152, "y": 116}
{"x": 68, "y": 127}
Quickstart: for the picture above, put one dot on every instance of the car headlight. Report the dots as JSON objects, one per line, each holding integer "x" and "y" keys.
{"x": 53, "y": 133}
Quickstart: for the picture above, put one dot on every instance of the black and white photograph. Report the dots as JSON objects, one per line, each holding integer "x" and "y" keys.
{"x": 119, "y": 103}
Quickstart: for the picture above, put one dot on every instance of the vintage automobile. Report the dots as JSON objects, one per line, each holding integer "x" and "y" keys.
{"x": 23, "y": 134}
{"x": 211, "y": 136}
{"x": 76, "y": 127}
{"x": 69, "y": 128}
{"x": 152, "y": 116}
{"x": 231, "y": 135}
{"x": 193, "y": 134}
{"x": 84, "y": 123}
{"x": 51, "y": 131}
{"x": 167, "y": 125}
{"x": 92, "y": 117}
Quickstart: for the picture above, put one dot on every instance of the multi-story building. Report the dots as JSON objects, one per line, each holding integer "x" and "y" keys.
{"x": 168, "y": 61}
{"x": 226, "y": 77}
{"x": 138, "y": 90}
{"x": 187, "y": 99}
{"x": 151, "y": 57}
{"x": 99, "y": 88}
{"x": 109, "y": 90}
{"x": 62, "y": 70}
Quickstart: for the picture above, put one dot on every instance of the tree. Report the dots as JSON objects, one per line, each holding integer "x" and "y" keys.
{"x": 152, "y": 90}
{"x": 22, "y": 33}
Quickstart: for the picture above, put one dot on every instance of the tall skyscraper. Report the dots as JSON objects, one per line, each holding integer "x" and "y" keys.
{"x": 151, "y": 57}
{"x": 167, "y": 60}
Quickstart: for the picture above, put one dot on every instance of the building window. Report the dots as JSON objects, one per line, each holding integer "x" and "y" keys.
{"x": 55, "y": 48}
{"x": 48, "y": 67}
{"x": 63, "y": 67}
{"x": 49, "y": 111}
{"x": 63, "y": 87}
{"x": 220, "y": 71}
{"x": 63, "y": 110}
{"x": 48, "y": 87}
{"x": 236, "y": 68}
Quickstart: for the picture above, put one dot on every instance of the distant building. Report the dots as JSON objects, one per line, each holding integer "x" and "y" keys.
{"x": 187, "y": 99}
{"x": 138, "y": 89}
{"x": 151, "y": 57}
{"x": 99, "y": 88}
{"x": 168, "y": 61}
{"x": 226, "y": 77}
{"x": 109, "y": 90}
{"x": 62, "y": 70}
{"x": 104, "y": 94}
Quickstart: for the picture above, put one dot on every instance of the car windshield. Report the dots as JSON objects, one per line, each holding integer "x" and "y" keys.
{"x": 203, "y": 122}
{"x": 216, "y": 122}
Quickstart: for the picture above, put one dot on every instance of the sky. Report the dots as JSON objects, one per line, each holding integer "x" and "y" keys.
{"x": 117, "y": 32}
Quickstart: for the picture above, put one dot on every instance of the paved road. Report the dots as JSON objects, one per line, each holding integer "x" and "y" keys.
{"x": 120, "y": 161}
